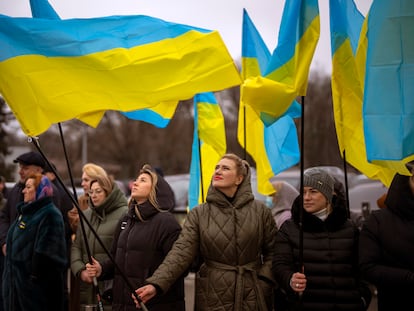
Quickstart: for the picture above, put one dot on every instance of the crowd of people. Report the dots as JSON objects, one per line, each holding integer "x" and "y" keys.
{"x": 61, "y": 252}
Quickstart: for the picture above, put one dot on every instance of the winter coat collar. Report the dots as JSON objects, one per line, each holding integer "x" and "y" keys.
{"x": 115, "y": 200}
{"x": 311, "y": 223}
{"x": 33, "y": 207}
{"x": 146, "y": 210}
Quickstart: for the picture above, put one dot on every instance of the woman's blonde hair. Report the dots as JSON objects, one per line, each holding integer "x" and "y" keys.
{"x": 152, "y": 197}
{"x": 242, "y": 166}
{"x": 105, "y": 182}
{"x": 94, "y": 171}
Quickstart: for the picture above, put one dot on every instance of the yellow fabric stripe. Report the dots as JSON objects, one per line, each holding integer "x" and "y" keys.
{"x": 37, "y": 87}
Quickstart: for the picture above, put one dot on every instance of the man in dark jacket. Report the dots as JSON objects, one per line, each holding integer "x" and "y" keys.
{"x": 386, "y": 246}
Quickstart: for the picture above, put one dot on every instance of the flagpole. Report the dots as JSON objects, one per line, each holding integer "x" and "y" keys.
{"x": 88, "y": 250}
{"x": 302, "y": 138}
{"x": 244, "y": 132}
{"x": 346, "y": 185}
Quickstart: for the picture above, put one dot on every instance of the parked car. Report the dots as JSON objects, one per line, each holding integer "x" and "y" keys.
{"x": 363, "y": 192}
{"x": 363, "y": 197}
{"x": 180, "y": 184}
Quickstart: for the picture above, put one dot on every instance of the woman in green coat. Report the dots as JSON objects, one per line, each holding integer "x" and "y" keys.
{"x": 107, "y": 205}
{"x": 234, "y": 235}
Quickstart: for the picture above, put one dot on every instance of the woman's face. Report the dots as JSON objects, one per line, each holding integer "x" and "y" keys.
{"x": 29, "y": 191}
{"x": 97, "y": 194}
{"x": 141, "y": 188}
{"x": 225, "y": 177}
{"x": 86, "y": 181}
{"x": 313, "y": 200}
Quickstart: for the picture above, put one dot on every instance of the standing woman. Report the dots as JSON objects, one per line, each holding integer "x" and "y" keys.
{"x": 35, "y": 263}
{"x": 386, "y": 246}
{"x": 234, "y": 235}
{"x": 329, "y": 277}
{"x": 107, "y": 205}
{"x": 142, "y": 240}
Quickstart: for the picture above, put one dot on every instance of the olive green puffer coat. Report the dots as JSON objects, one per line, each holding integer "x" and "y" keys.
{"x": 236, "y": 241}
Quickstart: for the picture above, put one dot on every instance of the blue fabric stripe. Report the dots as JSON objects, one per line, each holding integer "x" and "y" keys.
{"x": 297, "y": 17}
{"x": 342, "y": 29}
{"x": 254, "y": 46}
{"x": 149, "y": 116}
{"x": 78, "y": 37}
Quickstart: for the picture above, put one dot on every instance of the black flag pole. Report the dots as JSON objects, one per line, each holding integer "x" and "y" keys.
{"x": 88, "y": 249}
{"x": 82, "y": 216}
{"x": 346, "y": 185}
{"x": 302, "y": 157}
{"x": 244, "y": 133}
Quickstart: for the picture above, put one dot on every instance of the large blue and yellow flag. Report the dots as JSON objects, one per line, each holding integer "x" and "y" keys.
{"x": 286, "y": 75}
{"x": 388, "y": 110}
{"x": 159, "y": 115}
{"x": 348, "y": 87}
{"x": 209, "y": 145}
{"x": 275, "y": 147}
{"x": 54, "y": 70}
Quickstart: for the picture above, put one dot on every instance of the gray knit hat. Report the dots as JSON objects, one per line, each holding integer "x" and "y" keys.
{"x": 320, "y": 180}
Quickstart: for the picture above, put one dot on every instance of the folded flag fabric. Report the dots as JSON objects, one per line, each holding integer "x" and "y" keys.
{"x": 159, "y": 115}
{"x": 348, "y": 32}
{"x": 388, "y": 111}
{"x": 286, "y": 74}
{"x": 274, "y": 145}
{"x": 54, "y": 70}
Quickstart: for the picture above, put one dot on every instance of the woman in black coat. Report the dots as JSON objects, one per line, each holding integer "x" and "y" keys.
{"x": 144, "y": 237}
{"x": 386, "y": 247}
{"x": 327, "y": 276}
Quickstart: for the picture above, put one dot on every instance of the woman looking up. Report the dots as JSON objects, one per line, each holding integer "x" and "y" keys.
{"x": 234, "y": 235}
{"x": 142, "y": 240}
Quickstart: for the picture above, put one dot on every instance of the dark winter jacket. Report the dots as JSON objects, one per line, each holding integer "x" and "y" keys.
{"x": 35, "y": 263}
{"x": 236, "y": 241}
{"x": 330, "y": 261}
{"x": 104, "y": 220}
{"x": 387, "y": 248}
{"x": 138, "y": 249}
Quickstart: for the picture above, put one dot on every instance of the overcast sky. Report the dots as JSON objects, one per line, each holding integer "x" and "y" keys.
{"x": 222, "y": 15}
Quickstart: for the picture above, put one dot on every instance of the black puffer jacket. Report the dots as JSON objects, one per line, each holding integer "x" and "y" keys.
{"x": 387, "y": 248}
{"x": 330, "y": 261}
{"x": 139, "y": 248}
{"x": 236, "y": 241}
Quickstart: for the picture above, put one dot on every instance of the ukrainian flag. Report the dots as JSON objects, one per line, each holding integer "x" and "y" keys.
{"x": 348, "y": 87}
{"x": 275, "y": 147}
{"x": 287, "y": 72}
{"x": 209, "y": 145}
{"x": 54, "y": 70}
